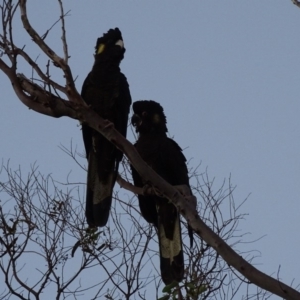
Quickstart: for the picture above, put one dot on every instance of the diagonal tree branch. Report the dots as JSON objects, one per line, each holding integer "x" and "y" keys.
{"x": 38, "y": 99}
{"x": 296, "y": 2}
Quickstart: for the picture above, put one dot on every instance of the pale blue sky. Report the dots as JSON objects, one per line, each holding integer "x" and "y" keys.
{"x": 227, "y": 74}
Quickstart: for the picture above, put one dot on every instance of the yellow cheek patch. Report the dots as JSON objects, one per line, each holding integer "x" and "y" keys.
{"x": 156, "y": 118}
{"x": 100, "y": 48}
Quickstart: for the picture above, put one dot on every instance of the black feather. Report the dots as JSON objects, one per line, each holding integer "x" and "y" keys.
{"x": 106, "y": 90}
{"x": 166, "y": 158}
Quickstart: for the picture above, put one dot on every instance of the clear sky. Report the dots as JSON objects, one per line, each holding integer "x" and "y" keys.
{"x": 227, "y": 75}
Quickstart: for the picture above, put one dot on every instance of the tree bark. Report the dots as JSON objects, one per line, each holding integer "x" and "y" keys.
{"x": 41, "y": 101}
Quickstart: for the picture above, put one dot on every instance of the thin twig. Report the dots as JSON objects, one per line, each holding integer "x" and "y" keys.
{"x": 63, "y": 29}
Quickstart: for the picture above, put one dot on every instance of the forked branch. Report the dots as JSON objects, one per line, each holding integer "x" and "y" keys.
{"x": 71, "y": 91}
{"x": 47, "y": 103}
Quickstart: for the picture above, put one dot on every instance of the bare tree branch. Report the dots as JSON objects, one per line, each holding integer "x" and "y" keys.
{"x": 63, "y": 29}
{"x": 44, "y": 102}
{"x": 71, "y": 91}
{"x": 296, "y": 2}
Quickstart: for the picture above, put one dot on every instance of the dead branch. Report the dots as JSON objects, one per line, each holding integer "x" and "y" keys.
{"x": 44, "y": 102}
{"x": 71, "y": 91}
{"x": 296, "y": 2}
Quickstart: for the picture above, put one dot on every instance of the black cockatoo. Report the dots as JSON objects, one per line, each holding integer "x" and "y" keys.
{"x": 106, "y": 90}
{"x": 165, "y": 157}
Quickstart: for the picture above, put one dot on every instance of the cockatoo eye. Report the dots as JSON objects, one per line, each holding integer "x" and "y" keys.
{"x": 136, "y": 120}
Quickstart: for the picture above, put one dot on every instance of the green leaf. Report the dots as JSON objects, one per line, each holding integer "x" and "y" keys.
{"x": 91, "y": 230}
{"x": 166, "y": 297}
{"x": 95, "y": 236}
{"x": 169, "y": 287}
{"x": 191, "y": 285}
{"x": 202, "y": 289}
{"x": 77, "y": 244}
